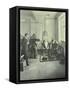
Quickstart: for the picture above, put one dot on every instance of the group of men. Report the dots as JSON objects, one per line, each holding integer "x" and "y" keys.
{"x": 29, "y": 47}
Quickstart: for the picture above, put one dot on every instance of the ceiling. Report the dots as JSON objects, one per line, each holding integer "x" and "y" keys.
{"x": 46, "y": 14}
{"x": 38, "y": 14}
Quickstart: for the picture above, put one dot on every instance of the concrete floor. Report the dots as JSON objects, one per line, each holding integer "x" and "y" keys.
{"x": 42, "y": 70}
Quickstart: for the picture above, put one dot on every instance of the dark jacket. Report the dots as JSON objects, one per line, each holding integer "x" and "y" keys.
{"x": 24, "y": 47}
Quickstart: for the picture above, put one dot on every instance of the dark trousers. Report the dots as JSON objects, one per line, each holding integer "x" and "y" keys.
{"x": 33, "y": 52}
{"x": 26, "y": 58}
{"x": 24, "y": 52}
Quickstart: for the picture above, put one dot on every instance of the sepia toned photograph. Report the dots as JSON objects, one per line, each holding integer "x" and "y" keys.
{"x": 42, "y": 44}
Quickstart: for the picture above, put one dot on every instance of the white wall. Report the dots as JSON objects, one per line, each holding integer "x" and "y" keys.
{"x": 61, "y": 27}
{"x": 50, "y": 28}
{"x": 38, "y": 27}
{"x": 31, "y": 28}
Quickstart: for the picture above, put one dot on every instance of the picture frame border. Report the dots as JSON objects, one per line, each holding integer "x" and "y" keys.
{"x": 18, "y": 8}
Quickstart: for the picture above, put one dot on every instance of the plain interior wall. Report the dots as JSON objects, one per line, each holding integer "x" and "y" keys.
{"x": 54, "y": 28}
{"x": 50, "y": 28}
{"x": 38, "y": 26}
{"x": 61, "y": 27}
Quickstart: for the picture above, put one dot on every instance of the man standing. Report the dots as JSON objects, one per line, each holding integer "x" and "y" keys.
{"x": 25, "y": 48}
